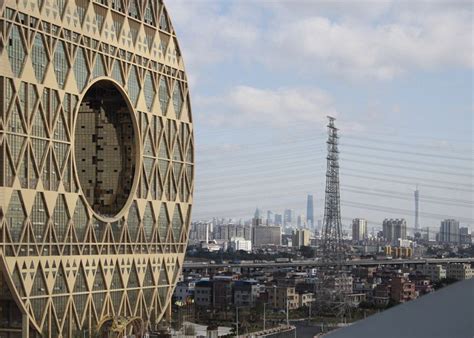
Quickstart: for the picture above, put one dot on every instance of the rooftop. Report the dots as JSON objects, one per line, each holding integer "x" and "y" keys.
{"x": 448, "y": 312}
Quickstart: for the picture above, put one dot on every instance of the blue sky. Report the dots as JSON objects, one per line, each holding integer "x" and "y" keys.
{"x": 398, "y": 75}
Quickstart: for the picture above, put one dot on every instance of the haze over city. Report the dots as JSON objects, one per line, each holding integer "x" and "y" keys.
{"x": 397, "y": 75}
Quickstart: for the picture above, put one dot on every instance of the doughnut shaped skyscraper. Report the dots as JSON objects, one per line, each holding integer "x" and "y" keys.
{"x": 96, "y": 166}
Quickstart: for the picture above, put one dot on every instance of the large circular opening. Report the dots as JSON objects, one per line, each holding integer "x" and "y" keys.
{"x": 104, "y": 148}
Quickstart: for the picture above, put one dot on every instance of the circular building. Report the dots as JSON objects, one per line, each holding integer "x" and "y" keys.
{"x": 96, "y": 166}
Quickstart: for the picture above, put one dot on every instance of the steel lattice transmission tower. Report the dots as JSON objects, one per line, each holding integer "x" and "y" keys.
{"x": 333, "y": 251}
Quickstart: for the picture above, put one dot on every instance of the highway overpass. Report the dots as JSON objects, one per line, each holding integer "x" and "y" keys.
{"x": 307, "y": 264}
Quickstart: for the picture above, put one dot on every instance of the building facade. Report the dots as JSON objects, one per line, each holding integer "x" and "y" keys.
{"x": 449, "y": 231}
{"x": 434, "y": 272}
{"x": 246, "y": 293}
{"x": 402, "y": 290}
{"x": 394, "y": 229}
{"x": 240, "y": 243}
{"x": 301, "y": 237}
{"x": 96, "y": 166}
{"x": 281, "y": 297}
{"x": 459, "y": 271}
{"x": 310, "y": 211}
{"x": 359, "y": 230}
{"x": 464, "y": 236}
{"x": 266, "y": 235}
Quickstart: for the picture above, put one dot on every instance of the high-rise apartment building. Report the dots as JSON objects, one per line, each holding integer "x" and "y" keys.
{"x": 310, "y": 211}
{"x": 269, "y": 217}
{"x": 257, "y": 218}
{"x": 417, "y": 210}
{"x": 449, "y": 231}
{"x": 278, "y": 219}
{"x": 97, "y": 166}
{"x": 301, "y": 237}
{"x": 300, "y": 221}
{"x": 199, "y": 232}
{"x": 266, "y": 235}
{"x": 394, "y": 229}
{"x": 359, "y": 229}
{"x": 464, "y": 236}
{"x": 288, "y": 216}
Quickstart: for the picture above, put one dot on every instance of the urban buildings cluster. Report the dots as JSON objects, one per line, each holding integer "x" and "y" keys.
{"x": 294, "y": 288}
{"x": 394, "y": 236}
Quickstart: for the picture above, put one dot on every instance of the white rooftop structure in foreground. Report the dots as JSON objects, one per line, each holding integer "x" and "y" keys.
{"x": 448, "y": 312}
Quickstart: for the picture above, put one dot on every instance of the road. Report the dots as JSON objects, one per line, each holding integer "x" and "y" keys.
{"x": 313, "y": 263}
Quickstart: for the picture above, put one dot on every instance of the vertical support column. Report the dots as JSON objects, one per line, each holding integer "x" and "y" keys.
{"x": 25, "y": 326}
{"x": 168, "y": 313}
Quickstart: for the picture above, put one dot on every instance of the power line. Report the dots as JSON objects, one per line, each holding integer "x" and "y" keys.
{"x": 423, "y": 197}
{"x": 406, "y": 168}
{"x": 404, "y": 198}
{"x": 403, "y": 211}
{"x": 410, "y": 183}
{"x": 408, "y": 152}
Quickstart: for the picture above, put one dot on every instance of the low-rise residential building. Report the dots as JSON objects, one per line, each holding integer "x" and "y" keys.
{"x": 423, "y": 286}
{"x": 305, "y": 299}
{"x": 183, "y": 291}
{"x": 203, "y": 293}
{"x": 459, "y": 271}
{"x": 402, "y": 289}
{"x": 222, "y": 293}
{"x": 279, "y": 296}
{"x": 364, "y": 272}
{"x": 381, "y": 296}
{"x": 246, "y": 293}
{"x": 433, "y": 272}
{"x": 341, "y": 284}
{"x": 363, "y": 287}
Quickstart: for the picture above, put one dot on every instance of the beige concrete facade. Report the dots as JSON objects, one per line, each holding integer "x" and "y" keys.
{"x": 76, "y": 262}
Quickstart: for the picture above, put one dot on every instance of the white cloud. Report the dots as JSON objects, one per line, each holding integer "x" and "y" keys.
{"x": 245, "y": 105}
{"x": 356, "y": 39}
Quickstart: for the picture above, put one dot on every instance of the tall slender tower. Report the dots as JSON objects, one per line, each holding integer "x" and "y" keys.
{"x": 332, "y": 228}
{"x": 310, "y": 211}
{"x": 417, "y": 210}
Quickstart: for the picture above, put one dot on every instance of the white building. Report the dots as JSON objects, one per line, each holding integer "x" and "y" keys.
{"x": 240, "y": 243}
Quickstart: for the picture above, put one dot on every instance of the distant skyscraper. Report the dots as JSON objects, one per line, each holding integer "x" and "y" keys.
{"x": 417, "y": 210}
{"x": 394, "y": 229}
{"x": 288, "y": 217}
{"x": 278, "y": 219}
{"x": 310, "y": 211}
{"x": 300, "y": 221}
{"x": 359, "y": 229}
{"x": 449, "y": 231}
{"x": 257, "y": 213}
{"x": 269, "y": 217}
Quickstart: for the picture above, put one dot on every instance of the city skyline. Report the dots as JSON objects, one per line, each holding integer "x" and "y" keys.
{"x": 405, "y": 114}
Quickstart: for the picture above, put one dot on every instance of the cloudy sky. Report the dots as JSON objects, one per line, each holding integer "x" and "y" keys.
{"x": 398, "y": 75}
